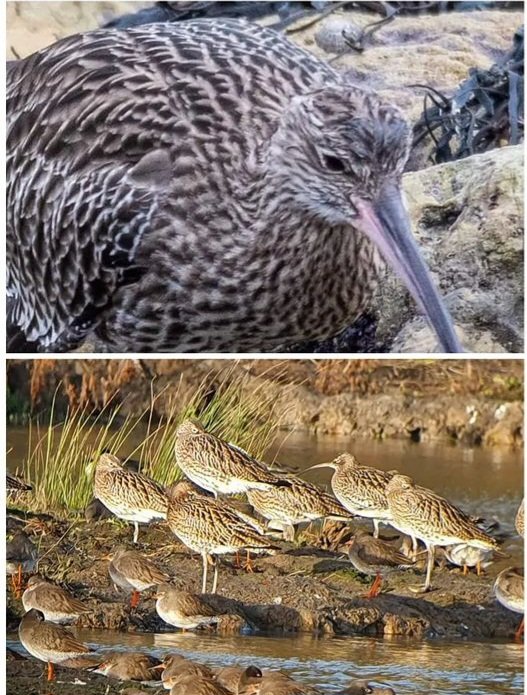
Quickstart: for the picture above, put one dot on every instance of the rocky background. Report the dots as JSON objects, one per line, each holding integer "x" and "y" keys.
{"x": 472, "y": 401}
{"x": 467, "y": 214}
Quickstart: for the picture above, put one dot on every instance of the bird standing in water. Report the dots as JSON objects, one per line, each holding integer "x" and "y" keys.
{"x": 200, "y": 186}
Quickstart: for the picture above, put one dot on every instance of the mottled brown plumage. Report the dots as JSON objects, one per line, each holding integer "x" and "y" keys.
{"x": 49, "y": 642}
{"x": 373, "y": 556}
{"x": 199, "y": 186}
{"x": 360, "y": 489}
{"x": 423, "y": 514}
{"x": 16, "y": 484}
{"x": 128, "y": 495}
{"x": 519, "y": 522}
{"x": 176, "y": 666}
{"x": 57, "y": 604}
{"x": 183, "y": 609}
{"x": 217, "y": 465}
{"x": 208, "y": 527}
{"x": 299, "y": 503}
{"x": 133, "y": 572}
{"x": 131, "y": 666}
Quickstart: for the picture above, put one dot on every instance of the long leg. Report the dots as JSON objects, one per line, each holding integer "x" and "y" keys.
{"x": 375, "y": 588}
{"x": 205, "y": 569}
{"x": 136, "y": 531}
{"x": 215, "y": 580}
{"x": 376, "y": 528}
{"x": 430, "y": 566}
{"x": 519, "y": 631}
{"x": 134, "y": 599}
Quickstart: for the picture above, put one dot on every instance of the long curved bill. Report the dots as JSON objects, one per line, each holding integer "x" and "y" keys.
{"x": 386, "y": 223}
{"x": 329, "y": 464}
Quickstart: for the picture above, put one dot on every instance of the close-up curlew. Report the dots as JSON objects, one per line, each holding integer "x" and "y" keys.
{"x": 203, "y": 186}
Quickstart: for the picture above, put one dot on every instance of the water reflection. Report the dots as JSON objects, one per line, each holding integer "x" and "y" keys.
{"x": 449, "y": 668}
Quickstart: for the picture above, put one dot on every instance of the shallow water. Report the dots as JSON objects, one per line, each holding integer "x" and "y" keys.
{"x": 449, "y": 668}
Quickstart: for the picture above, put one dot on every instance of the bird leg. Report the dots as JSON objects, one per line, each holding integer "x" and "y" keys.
{"x": 215, "y": 580}
{"x": 247, "y": 565}
{"x": 16, "y": 582}
{"x": 465, "y": 570}
{"x": 51, "y": 671}
{"x": 519, "y": 631}
{"x": 205, "y": 570}
{"x": 375, "y": 528}
{"x": 135, "y": 598}
{"x": 136, "y": 531}
{"x": 430, "y": 565}
{"x": 479, "y": 569}
{"x": 375, "y": 588}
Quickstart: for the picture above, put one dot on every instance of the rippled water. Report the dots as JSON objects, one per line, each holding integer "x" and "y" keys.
{"x": 449, "y": 668}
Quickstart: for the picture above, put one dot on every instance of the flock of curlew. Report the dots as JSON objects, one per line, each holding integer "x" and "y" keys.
{"x": 200, "y": 514}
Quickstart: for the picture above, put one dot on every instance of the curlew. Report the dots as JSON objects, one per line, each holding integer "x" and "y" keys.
{"x": 509, "y": 589}
{"x": 373, "y": 556}
{"x": 286, "y": 507}
{"x": 519, "y": 521}
{"x": 360, "y": 489}
{"x": 57, "y": 604}
{"x": 426, "y": 516}
{"x": 133, "y": 573}
{"x": 129, "y": 495}
{"x": 203, "y": 186}
{"x": 15, "y": 484}
{"x": 210, "y": 528}
{"x": 219, "y": 466}
{"x": 49, "y": 642}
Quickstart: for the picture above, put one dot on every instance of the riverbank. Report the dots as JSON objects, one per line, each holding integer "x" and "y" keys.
{"x": 470, "y": 402}
{"x": 302, "y": 588}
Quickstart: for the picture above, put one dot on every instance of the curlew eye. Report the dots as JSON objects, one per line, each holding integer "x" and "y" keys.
{"x": 333, "y": 163}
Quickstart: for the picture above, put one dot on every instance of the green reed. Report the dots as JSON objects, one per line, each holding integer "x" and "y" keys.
{"x": 60, "y": 457}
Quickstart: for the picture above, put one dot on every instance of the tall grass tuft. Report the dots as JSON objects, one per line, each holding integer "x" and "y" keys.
{"x": 60, "y": 457}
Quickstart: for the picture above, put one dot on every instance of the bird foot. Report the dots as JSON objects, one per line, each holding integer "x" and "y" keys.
{"x": 421, "y": 589}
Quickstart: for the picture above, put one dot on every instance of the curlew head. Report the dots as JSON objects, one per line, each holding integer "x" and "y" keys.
{"x": 189, "y": 428}
{"x": 342, "y": 152}
{"x": 399, "y": 483}
{"x": 340, "y": 461}
{"x": 109, "y": 462}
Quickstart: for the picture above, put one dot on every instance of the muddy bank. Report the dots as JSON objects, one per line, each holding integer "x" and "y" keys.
{"x": 302, "y": 588}
{"x": 474, "y": 403}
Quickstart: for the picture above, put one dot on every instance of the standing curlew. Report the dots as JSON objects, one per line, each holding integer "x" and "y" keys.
{"x": 210, "y": 528}
{"x": 130, "y": 496}
{"x": 204, "y": 186}
{"x": 218, "y": 466}
{"x": 361, "y": 489}
{"x": 285, "y": 507}
{"x": 423, "y": 514}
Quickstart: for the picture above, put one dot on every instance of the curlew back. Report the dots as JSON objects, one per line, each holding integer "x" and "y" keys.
{"x": 107, "y": 132}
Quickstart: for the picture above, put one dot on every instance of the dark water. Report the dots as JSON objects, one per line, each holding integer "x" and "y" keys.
{"x": 486, "y": 482}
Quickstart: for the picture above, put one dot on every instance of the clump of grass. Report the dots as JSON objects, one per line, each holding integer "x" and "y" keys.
{"x": 60, "y": 457}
